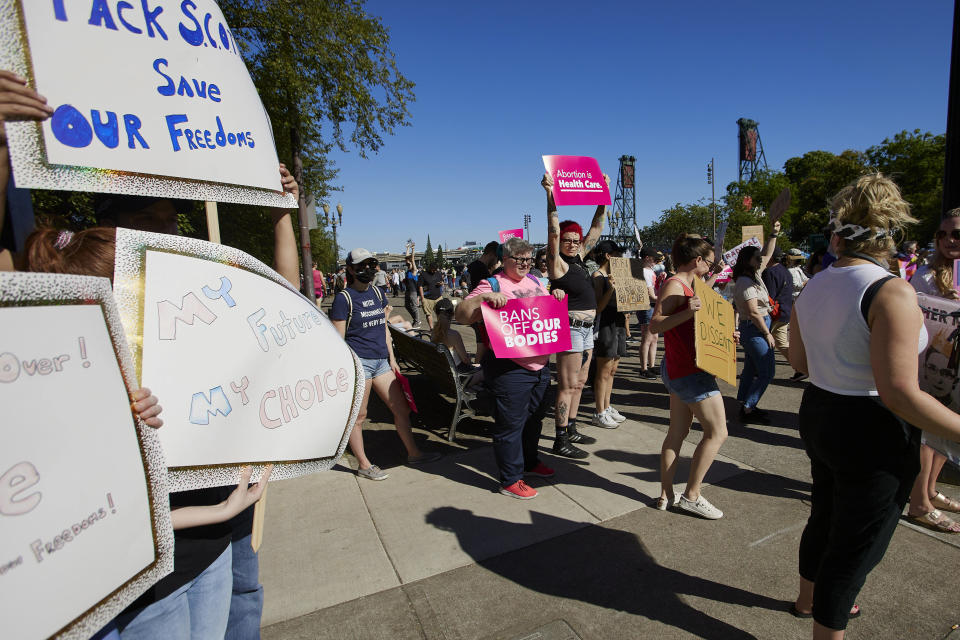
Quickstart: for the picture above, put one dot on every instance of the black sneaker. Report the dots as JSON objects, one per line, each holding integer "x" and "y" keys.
{"x": 757, "y": 416}
{"x": 653, "y": 372}
{"x": 563, "y": 447}
{"x": 798, "y": 377}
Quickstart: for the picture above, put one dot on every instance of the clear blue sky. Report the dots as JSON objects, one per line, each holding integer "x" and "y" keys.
{"x": 501, "y": 83}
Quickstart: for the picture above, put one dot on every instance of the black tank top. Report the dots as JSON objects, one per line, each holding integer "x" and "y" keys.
{"x": 576, "y": 282}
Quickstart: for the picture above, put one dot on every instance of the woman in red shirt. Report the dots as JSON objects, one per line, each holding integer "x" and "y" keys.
{"x": 693, "y": 392}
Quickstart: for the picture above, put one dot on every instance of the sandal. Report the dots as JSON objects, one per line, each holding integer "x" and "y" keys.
{"x": 941, "y": 501}
{"x": 935, "y": 521}
{"x": 796, "y": 613}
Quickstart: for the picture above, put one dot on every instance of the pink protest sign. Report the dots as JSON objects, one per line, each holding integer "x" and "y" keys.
{"x": 510, "y": 233}
{"x": 576, "y": 180}
{"x": 527, "y": 327}
{"x": 956, "y": 275}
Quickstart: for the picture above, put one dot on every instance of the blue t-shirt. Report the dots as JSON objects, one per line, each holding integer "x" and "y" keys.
{"x": 365, "y": 333}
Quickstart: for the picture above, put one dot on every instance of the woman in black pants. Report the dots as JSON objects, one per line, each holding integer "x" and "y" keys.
{"x": 857, "y": 332}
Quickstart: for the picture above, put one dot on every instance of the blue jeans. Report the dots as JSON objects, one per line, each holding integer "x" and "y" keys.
{"x": 246, "y": 605}
{"x": 518, "y": 413}
{"x": 758, "y": 364}
{"x": 198, "y": 609}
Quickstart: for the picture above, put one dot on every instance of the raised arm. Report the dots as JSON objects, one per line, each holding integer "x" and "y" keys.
{"x": 286, "y": 260}
{"x": 596, "y": 226}
{"x": 555, "y": 266}
{"x": 17, "y": 102}
{"x": 769, "y": 246}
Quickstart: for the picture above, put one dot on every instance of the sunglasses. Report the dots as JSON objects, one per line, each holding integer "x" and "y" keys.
{"x": 941, "y": 234}
{"x": 522, "y": 260}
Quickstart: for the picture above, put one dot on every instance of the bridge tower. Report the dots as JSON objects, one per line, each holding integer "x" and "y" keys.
{"x": 750, "y": 150}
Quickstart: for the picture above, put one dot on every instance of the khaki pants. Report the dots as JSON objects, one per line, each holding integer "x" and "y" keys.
{"x": 428, "y": 306}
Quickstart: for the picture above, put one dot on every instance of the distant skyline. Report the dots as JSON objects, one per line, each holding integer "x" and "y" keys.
{"x": 499, "y": 84}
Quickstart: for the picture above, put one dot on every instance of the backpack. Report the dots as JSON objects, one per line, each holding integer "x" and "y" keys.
{"x": 774, "y": 308}
{"x": 349, "y": 300}
{"x": 495, "y": 285}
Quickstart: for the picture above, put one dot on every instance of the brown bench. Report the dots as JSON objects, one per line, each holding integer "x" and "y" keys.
{"x": 436, "y": 363}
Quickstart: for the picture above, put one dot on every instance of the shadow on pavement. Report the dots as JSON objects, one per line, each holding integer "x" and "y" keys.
{"x": 601, "y": 566}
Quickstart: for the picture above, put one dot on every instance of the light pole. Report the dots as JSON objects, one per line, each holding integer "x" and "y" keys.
{"x": 526, "y": 226}
{"x": 335, "y": 222}
{"x": 713, "y": 199}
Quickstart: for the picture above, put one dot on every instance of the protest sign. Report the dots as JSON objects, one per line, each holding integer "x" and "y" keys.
{"x": 248, "y": 369}
{"x": 525, "y": 327}
{"x": 713, "y": 337}
{"x": 636, "y": 234}
{"x": 725, "y": 275}
{"x": 631, "y": 289}
{"x": 940, "y": 361}
{"x": 148, "y": 100}
{"x": 956, "y": 274}
{"x": 752, "y": 231}
{"x": 779, "y": 206}
{"x": 721, "y": 236}
{"x": 510, "y": 233}
{"x": 577, "y": 180}
{"x": 83, "y": 492}
{"x": 730, "y": 257}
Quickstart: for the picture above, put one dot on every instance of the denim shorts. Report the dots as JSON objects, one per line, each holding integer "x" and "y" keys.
{"x": 644, "y": 315}
{"x": 692, "y": 388}
{"x": 374, "y": 367}
{"x": 581, "y": 339}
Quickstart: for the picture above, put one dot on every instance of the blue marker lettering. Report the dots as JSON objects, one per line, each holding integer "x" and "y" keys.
{"x": 108, "y": 132}
{"x": 121, "y": 7}
{"x": 70, "y": 127}
{"x": 193, "y": 37}
{"x": 166, "y": 89}
{"x": 131, "y": 124}
{"x": 151, "y": 19}
{"x": 172, "y": 121}
{"x": 100, "y": 15}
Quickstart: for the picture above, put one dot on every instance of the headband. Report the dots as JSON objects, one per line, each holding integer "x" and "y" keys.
{"x": 850, "y": 231}
{"x": 63, "y": 239}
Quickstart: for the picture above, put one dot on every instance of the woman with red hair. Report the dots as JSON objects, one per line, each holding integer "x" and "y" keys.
{"x": 566, "y": 247}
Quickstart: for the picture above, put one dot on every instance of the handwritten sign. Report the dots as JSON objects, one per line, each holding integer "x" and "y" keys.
{"x": 249, "y": 370}
{"x": 157, "y": 91}
{"x": 939, "y": 363}
{"x": 526, "y": 327}
{"x": 753, "y": 231}
{"x": 83, "y": 493}
{"x": 631, "y": 290}
{"x": 730, "y": 257}
{"x": 713, "y": 324}
{"x": 510, "y": 233}
{"x": 577, "y": 180}
{"x": 780, "y": 205}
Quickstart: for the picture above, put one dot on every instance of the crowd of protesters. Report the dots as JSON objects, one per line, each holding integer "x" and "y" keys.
{"x": 845, "y": 322}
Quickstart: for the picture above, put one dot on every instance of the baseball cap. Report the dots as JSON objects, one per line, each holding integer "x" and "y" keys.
{"x": 608, "y": 246}
{"x": 358, "y": 255}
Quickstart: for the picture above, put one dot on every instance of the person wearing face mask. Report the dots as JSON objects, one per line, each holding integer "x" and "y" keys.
{"x": 359, "y": 314}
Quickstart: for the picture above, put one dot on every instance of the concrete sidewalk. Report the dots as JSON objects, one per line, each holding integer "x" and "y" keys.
{"x": 437, "y": 552}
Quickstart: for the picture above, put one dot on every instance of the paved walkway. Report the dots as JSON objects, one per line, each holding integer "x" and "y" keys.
{"x": 436, "y": 552}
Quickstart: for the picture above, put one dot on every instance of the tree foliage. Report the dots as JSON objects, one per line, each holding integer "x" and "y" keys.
{"x": 438, "y": 258}
{"x": 428, "y": 256}
{"x": 325, "y": 69}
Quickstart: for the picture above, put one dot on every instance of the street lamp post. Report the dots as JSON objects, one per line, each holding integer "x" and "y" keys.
{"x": 526, "y": 226}
{"x": 335, "y": 222}
{"x": 713, "y": 199}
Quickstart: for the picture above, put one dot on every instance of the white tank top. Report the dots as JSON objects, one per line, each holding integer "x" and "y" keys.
{"x": 835, "y": 335}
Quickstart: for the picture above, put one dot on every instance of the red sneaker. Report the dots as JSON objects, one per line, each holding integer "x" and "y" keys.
{"x": 519, "y": 489}
{"x": 540, "y": 471}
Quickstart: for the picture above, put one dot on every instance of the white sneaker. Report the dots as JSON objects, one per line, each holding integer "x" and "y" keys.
{"x": 604, "y": 420}
{"x": 701, "y": 507}
{"x": 613, "y": 413}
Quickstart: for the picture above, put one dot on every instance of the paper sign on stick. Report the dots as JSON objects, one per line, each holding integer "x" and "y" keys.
{"x": 577, "y": 180}
{"x": 753, "y": 231}
{"x": 730, "y": 257}
{"x": 721, "y": 236}
{"x": 713, "y": 326}
{"x": 631, "y": 289}
{"x": 526, "y": 327}
{"x": 152, "y": 102}
{"x": 248, "y": 369}
{"x": 780, "y": 205}
{"x": 939, "y": 363}
{"x": 83, "y": 492}
{"x": 510, "y": 233}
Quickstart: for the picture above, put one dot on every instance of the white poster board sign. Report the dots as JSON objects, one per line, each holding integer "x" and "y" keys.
{"x": 730, "y": 257}
{"x": 140, "y": 90}
{"x": 83, "y": 497}
{"x": 247, "y": 369}
{"x": 939, "y": 363}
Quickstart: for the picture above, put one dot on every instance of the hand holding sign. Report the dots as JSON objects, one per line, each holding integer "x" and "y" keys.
{"x": 20, "y": 102}
{"x": 576, "y": 180}
{"x": 780, "y": 205}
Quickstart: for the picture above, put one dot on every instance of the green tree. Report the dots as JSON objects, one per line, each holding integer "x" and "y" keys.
{"x": 428, "y": 257}
{"x": 438, "y": 258}
{"x": 915, "y": 161}
{"x": 680, "y": 218}
{"x": 815, "y": 177}
{"x": 324, "y": 69}
{"x": 321, "y": 247}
